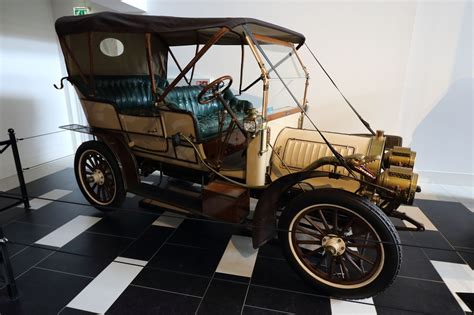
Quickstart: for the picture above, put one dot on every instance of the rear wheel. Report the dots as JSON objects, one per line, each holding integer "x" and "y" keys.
{"x": 98, "y": 175}
{"x": 341, "y": 243}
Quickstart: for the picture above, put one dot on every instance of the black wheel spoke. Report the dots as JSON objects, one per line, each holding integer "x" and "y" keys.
{"x": 361, "y": 257}
{"x": 334, "y": 223}
{"x": 316, "y": 251}
{"x": 361, "y": 245}
{"x": 353, "y": 263}
{"x": 314, "y": 224}
{"x": 344, "y": 269}
{"x": 310, "y": 242}
{"x": 305, "y": 231}
{"x": 323, "y": 219}
{"x": 332, "y": 269}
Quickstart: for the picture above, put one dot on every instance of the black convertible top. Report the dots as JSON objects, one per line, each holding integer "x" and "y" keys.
{"x": 176, "y": 31}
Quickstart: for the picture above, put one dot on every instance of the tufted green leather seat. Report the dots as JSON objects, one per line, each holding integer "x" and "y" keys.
{"x": 184, "y": 98}
{"x": 131, "y": 93}
{"x": 125, "y": 92}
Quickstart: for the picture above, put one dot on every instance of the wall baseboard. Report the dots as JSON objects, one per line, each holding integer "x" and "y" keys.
{"x": 446, "y": 178}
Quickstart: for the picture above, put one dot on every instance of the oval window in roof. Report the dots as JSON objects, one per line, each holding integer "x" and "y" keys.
{"x": 111, "y": 47}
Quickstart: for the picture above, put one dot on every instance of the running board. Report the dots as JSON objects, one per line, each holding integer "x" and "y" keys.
{"x": 168, "y": 198}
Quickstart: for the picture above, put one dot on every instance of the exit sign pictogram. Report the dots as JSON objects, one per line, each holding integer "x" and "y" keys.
{"x": 81, "y": 10}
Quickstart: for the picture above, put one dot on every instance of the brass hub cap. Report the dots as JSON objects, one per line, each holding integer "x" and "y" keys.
{"x": 97, "y": 177}
{"x": 333, "y": 245}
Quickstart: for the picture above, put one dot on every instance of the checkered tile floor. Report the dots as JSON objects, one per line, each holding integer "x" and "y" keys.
{"x": 138, "y": 261}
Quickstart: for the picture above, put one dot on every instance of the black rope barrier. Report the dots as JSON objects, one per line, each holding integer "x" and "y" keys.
{"x": 240, "y": 225}
{"x": 45, "y": 163}
{"x": 40, "y": 135}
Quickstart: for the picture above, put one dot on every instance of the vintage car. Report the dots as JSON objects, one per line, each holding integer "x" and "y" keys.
{"x": 326, "y": 196}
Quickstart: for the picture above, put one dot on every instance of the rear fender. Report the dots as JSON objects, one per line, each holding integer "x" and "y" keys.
{"x": 125, "y": 158}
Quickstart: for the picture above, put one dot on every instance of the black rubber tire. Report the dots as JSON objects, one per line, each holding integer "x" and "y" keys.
{"x": 371, "y": 213}
{"x": 120, "y": 192}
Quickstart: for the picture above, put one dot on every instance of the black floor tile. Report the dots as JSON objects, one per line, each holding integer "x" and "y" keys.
{"x": 43, "y": 292}
{"x": 97, "y": 245}
{"x": 467, "y": 298}
{"x": 14, "y": 249}
{"x": 56, "y": 214}
{"x": 148, "y": 243}
{"x": 271, "y": 249}
{"x": 76, "y": 264}
{"x": 6, "y": 203}
{"x": 433, "y": 239}
{"x": 206, "y": 234}
{"x": 425, "y": 297}
{"x": 200, "y": 261}
{"x": 24, "y": 233}
{"x": 223, "y": 297}
{"x": 12, "y": 214}
{"x": 63, "y": 179}
{"x": 135, "y": 300}
{"x": 250, "y": 310}
{"x": 27, "y": 259}
{"x": 287, "y": 301}
{"x": 124, "y": 223}
{"x": 75, "y": 197}
{"x": 231, "y": 278}
{"x": 172, "y": 281}
{"x": 277, "y": 273}
{"x": 73, "y": 311}
{"x": 415, "y": 262}
{"x": 452, "y": 219}
{"x": 467, "y": 255}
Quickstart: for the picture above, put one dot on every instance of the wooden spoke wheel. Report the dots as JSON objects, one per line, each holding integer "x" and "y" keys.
{"x": 98, "y": 175}
{"x": 340, "y": 243}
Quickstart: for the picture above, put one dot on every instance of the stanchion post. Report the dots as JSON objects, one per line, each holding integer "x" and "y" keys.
{"x": 19, "y": 169}
{"x": 7, "y": 267}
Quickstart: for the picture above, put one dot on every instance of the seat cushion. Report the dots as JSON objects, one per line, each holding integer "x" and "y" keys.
{"x": 125, "y": 92}
{"x": 184, "y": 98}
{"x": 209, "y": 125}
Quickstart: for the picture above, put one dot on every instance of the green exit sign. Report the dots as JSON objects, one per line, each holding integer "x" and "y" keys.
{"x": 81, "y": 10}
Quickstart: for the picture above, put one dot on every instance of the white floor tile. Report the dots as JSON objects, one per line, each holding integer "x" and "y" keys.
{"x": 53, "y": 194}
{"x": 37, "y": 203}
{"x": 56, "y": 194}
{"x": 126, "y": 260}
{"x": 239, "y": 257}
{"x": 418, "y": 215}
{"x": 104, "y": 290}
{"x": 470, "y": 206}
{"x": 458, "y": 278}
{"x": 339, "y": 307}
{"x": 169, "y": 219}
{"x": 64, "y": 234}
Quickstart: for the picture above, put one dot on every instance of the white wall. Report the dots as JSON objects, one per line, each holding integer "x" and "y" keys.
{"x": 29, "y": 65}
{"x": 437, "y": 105}
{"x": 406, "y": 65}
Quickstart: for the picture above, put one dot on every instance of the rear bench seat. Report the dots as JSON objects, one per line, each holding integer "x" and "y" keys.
{"x": 132, "y": 93}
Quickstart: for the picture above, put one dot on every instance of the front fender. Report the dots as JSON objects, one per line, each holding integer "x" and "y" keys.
{"x": 264, "y": 219}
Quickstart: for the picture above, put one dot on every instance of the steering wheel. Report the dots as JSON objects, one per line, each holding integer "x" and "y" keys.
{"x": 213, "y": 89}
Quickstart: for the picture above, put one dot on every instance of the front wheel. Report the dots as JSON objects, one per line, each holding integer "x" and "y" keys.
{"x": 98, "y": 175}
{"x": 341, "y": 243}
